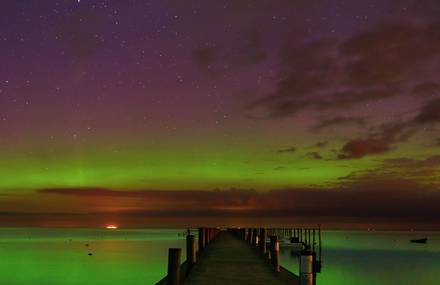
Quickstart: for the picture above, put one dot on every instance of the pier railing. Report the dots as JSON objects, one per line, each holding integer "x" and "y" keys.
{"x": 178, "y": 272}
{"x": 307, "y": 242}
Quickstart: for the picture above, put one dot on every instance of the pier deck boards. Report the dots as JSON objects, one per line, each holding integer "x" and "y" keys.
{"x": 229, "y": 260}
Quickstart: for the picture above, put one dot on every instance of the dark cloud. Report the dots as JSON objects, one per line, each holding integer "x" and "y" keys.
{"x": 401, "y": 131}
{"x": 340, "y": 121}
{"x": 391, "y": 53}
{"x": 414, "y": 168}
{"x": 380, "y": 140}
{"x": 395, "y": 132}
{"x": 378, "y": 63}
{"x": 426, "y": 89}
{"x": 429, "y": 113}
{"x": 359, "y": 196}
{"x": 321, "y": 144}
{"x": 359, "y": 148}
{"x": 314, "y": 155}
{"x": 383, "y": 138}
{"x": 183, "y": 196}
{"x": 423, "y": 173}
{"x": 287, "y": 150}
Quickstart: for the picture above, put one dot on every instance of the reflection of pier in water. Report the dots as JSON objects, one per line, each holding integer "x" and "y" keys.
{"x": 245, "y": 256}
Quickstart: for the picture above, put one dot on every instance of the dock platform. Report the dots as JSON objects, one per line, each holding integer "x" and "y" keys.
{"x": 230, "y": 260}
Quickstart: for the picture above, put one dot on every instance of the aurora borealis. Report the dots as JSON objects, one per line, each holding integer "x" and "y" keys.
{"x": 120, "y": 111}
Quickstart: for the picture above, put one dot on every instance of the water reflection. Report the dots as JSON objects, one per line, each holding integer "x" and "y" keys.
{"x": 133, "y": 257}
{"x": 374, "y": 258}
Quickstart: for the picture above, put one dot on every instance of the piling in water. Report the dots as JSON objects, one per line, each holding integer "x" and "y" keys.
{"x": 190, "y": 252}
{"x": 201, "y": 239}
{"x": 206, "y": 235}
{"x": 275, "y": 252}
{"x": 263, "y": 240}
{"x": 306, "y": 267}
{"x": 174, "y": 266}
{"x": 254, "y": 237}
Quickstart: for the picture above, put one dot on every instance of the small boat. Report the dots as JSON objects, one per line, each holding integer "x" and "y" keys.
{"x": 287, "y": 243}
{"x": 420, "y": 240}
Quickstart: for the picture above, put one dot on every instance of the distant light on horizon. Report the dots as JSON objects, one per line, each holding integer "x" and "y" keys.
{"x": 111, "y": 227}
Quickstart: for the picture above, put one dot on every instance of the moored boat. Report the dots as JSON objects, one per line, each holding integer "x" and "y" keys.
{"x": 420, "y": 240}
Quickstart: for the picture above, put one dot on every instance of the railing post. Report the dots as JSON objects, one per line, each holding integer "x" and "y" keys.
{"x": 263, "y": 240}
{"x": 275, "y": 253}
{"x": 174, "y": 266}
{"x": 206, "y": 235}
{"x": 201, "y": 239}
{"x": 254, "y": 237}
{"x": 249, "y": 235}
{"x": 306, "y": 267}
{"x": 190, "y": 252}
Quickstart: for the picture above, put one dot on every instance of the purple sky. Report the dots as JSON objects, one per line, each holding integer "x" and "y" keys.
{"x": 289, "y": 100}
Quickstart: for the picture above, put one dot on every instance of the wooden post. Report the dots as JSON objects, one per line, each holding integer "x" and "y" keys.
{"x": 190, "y": 252}
{"x": 305, "y": 237}
{"x": 310, "y": 241}
{"x": 263, "y": 240}
{"x": 275, "y": 252}
{"x": 174, "y": 266}
{"x": 206, "y": 236}
{"x": 254, "y": 237}
{"x": 271, "y": 246}
{"x": 249, "y": 236}
{"x": 306, "y": 268}
{"x": 320, "y": 243}
{"x": 209, "y": 234}
{"x": 317, "y": 264}
{"x": 201, "y": 239}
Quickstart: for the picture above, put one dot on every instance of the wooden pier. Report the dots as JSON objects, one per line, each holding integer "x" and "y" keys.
{"x": 238, "y": 256}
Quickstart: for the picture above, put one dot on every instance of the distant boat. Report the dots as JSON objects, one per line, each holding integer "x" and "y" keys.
{"x": 294, "y": 244}
{"x": 420, "y": 240}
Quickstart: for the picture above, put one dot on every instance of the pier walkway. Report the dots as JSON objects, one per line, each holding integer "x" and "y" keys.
{"x": 230, "y": 260}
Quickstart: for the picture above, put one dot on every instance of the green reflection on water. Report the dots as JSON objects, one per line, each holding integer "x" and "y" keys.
{"x": 361, "y": 258}
{"x": 30, "y": 256}
{"x": 58, "y": 257}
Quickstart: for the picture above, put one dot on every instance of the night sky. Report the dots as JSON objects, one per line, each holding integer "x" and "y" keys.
{"x": 175, "y": 112}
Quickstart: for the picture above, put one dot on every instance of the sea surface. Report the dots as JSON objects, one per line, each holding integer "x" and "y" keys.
{"x": 48, "y": 256}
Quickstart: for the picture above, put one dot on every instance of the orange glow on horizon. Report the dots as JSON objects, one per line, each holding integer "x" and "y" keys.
{"x": 111, "y": 227}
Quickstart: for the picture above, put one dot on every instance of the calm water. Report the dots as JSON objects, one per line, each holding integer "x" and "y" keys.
{"x": 361, "y": 258}
{"x": 133, "y": 257}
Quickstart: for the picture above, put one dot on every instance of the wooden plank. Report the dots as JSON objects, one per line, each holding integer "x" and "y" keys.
{"x": 230, "y": 260}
